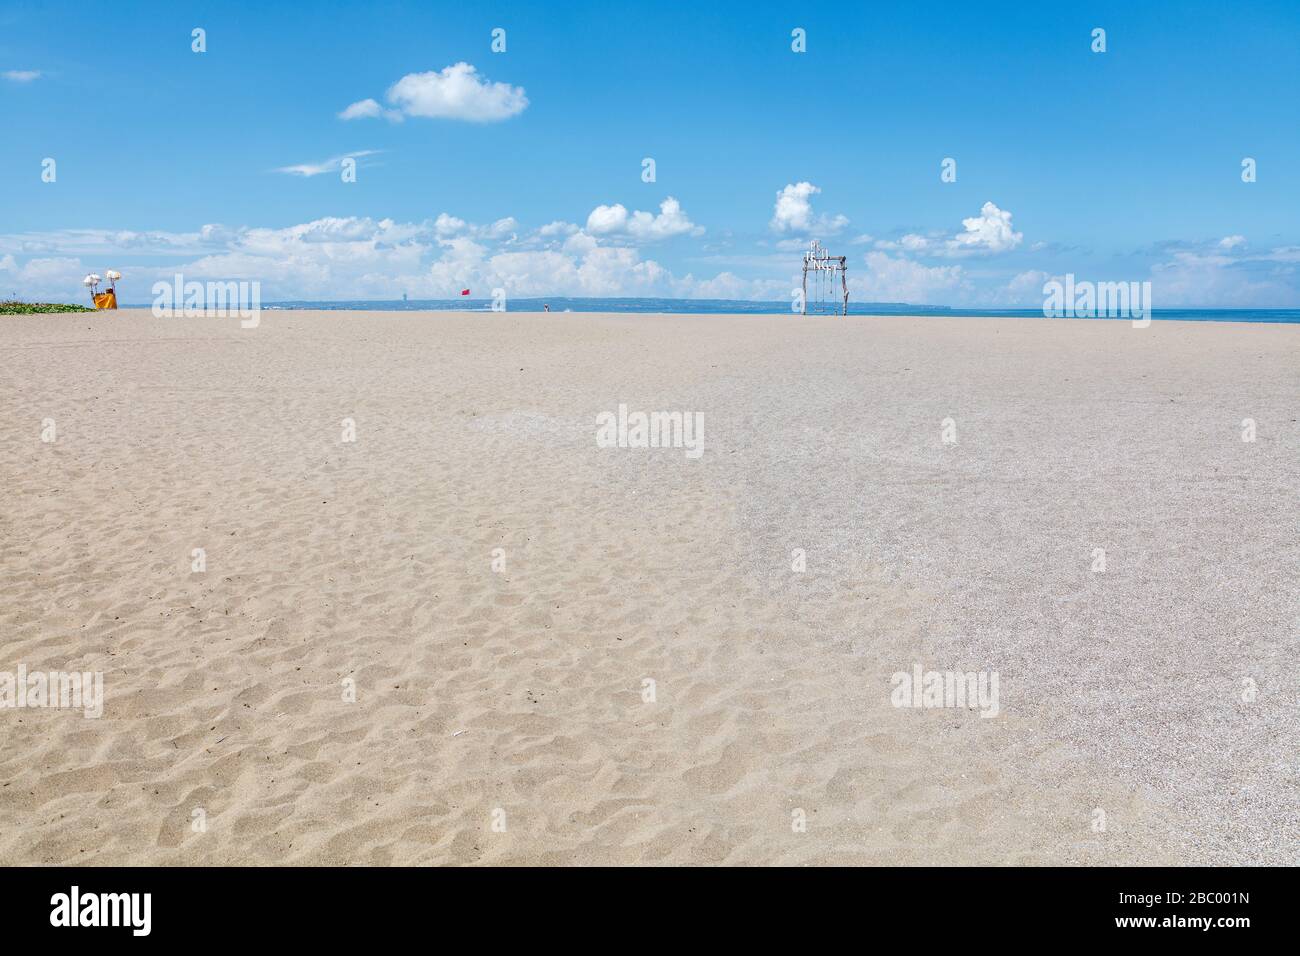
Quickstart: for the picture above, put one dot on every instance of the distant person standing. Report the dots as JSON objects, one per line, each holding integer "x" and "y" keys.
{"x": 546, "y": 307}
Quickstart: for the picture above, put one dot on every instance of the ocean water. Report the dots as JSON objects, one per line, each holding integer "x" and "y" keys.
{"x": 723, "y": 306}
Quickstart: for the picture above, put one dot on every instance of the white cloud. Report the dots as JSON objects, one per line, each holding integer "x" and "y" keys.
{"x": 989, "y": 232}
{"x": 580, "y": 243}
{"x": 102, "y": 241}
{"x": 557, "y": 228}
{"x": 605, "y": 219}
{"x": 1212, "y": 274}
{"x": 456, "y": 92}
{"x": 1023, "y": 291}
{"x": 614, "y": 220}
{"x": 1030, "y": 281}
{"x": 333, "y": 164}
{"x": 585, "y": 268}
{"x": 602, "y": 271}
{"x": 369, "y": 108}
{"x": 446, "y": 225}
{"x": 727, "y": 285}
{"x": 42, "y": 279}
{"x": 890, "y": 279}
{"x": 21, "y": 76}
{"x": 912, "y": 243}
{"x": 1221, "y": 279}
{"x": 793, "y": 211}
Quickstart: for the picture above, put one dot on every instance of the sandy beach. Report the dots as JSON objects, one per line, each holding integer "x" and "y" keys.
{"x": 472, "y": 635}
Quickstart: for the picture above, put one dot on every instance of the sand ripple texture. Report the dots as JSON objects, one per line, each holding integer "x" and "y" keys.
{"x": 501, "y": 713}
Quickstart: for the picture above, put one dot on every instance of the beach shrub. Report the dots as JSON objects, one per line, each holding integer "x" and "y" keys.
{"x": 14, "y": 307}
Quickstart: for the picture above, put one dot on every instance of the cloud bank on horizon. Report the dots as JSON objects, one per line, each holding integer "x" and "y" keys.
{"x": 363, "y": 258}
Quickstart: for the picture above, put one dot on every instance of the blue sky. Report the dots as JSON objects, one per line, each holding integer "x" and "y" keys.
{"x": 523, "y": 169}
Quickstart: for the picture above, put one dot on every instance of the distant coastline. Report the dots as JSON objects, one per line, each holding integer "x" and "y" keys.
{"x": 738, "y": 306}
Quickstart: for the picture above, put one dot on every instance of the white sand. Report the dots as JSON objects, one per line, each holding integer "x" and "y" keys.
{"x": 521, "y": 691}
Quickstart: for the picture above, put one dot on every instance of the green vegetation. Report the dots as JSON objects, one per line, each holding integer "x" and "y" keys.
{"x": 14, "y": 307}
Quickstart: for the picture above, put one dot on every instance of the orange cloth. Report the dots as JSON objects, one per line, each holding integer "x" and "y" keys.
{"x": 106, "y": 300}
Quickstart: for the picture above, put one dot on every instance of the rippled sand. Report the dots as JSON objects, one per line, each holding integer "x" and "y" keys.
{"x": 501, "y": 716}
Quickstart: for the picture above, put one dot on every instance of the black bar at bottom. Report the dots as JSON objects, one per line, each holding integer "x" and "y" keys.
{"x": 336, "y": 906}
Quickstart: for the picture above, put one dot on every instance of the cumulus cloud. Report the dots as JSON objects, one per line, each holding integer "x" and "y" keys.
{"x": 580, "y": 243}
{"x": 333, "y": 164}
{"x": 369, "y": 108}
{"x": 793, "y": 207}
{"x": 446, "y": 225}
{"x": 793, "y": 211}
{"x": 604, "y": 219}
{"x": 21, "y": 76}
{"x": 989, "y": 233}
{"x": 557, "y": 228}
{"x": 895, "y": 279}
{"x": 456, "y": 92}
{"x": 503, "y": 228}
{"x": 727, "y": 285}
{"x": 615, "y": 220}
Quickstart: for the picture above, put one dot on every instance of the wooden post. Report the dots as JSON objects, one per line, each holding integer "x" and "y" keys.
{"x": 844, "y": 281}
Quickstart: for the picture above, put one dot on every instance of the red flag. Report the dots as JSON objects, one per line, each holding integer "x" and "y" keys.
{"x": 464, "y": 291}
